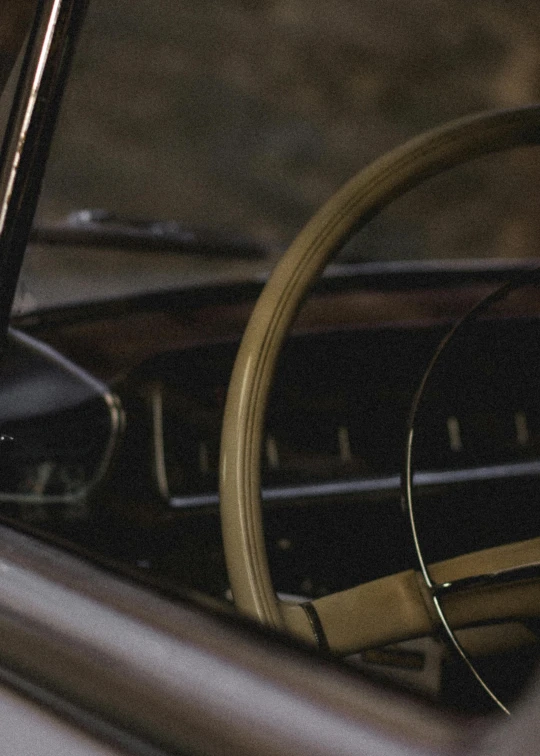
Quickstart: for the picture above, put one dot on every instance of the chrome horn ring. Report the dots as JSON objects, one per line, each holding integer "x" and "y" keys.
{"x": 439, "y": 590}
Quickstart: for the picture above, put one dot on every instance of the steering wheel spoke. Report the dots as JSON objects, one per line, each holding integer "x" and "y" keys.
{"x": 486, "y": 588}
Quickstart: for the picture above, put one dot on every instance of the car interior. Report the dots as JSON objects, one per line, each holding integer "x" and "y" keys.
{"x": 345, "y": 450}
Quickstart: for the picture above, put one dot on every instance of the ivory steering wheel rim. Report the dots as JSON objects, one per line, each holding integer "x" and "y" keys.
{"x": 351, "y": 208}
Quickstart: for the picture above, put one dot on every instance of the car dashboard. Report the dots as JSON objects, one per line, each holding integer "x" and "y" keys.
{"x": 112, "y": 422}
{"x": 125, "y": 459}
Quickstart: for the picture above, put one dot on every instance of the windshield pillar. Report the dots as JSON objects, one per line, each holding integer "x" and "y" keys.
{"x": 29, "y": 133}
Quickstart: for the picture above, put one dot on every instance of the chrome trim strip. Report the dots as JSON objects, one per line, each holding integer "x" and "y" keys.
{"x": 371, "y": 485}
{"x": 160, "y": 470}
{"x": 516, "y": 574}
{"x": 316, "y": 626}
{"x": 29, "y": 110}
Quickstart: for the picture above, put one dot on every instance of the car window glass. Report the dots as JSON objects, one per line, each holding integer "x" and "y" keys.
{"x": 247, "y": 116}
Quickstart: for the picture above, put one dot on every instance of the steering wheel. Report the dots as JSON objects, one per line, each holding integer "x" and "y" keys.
{"x": 358, "y": 618}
